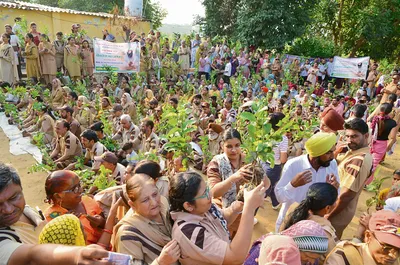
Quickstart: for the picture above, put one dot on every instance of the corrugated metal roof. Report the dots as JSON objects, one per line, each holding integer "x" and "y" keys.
{"x": 37, "y": 7}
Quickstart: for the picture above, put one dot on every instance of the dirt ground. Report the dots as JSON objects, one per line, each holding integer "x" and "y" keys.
{"x": 33, "y": 185}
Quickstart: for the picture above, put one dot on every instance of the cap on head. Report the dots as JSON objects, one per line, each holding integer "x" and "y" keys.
{"x": 107, "y": 157}
{"x": 385, "y": 225}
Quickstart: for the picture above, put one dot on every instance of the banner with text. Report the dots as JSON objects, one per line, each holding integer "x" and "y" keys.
{"x": 353, "y": 68}
{"x": 119, "y": 57}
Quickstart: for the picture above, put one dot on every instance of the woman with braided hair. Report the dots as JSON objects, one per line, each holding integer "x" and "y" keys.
{"x": 321, "y": 198}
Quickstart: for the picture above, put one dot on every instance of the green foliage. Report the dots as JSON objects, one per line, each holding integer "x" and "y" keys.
{"x": 178, "y": 129}
{"x": 359, "y": 28}
{"x": 220, "y": 17}
{"x": 375, "y": 188}
{"x": 153, "y": 11}
{"x": 312, "y": 46}
{"x": 102, "y": 181}
{"x": 272, "y": 23}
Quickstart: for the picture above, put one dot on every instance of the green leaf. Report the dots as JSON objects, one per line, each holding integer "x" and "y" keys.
{"x": 248, "y": 116}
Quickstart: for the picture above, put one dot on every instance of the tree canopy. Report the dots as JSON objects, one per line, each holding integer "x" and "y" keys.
{"x": 345, "y": 27}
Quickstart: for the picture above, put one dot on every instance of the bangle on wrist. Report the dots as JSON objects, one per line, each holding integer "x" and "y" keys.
{"x": 108, "y": 231}
{"x": 104, "y": 246}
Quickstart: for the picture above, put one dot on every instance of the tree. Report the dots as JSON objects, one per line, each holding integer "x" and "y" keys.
{"x": 154, "y": 12}
{"x": 362, "y": 27}
{"x": 273, "y": 23}
{"x": 220, "y": 17}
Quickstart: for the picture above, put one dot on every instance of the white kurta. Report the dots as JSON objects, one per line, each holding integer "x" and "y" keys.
{"x": 287, "y": 194}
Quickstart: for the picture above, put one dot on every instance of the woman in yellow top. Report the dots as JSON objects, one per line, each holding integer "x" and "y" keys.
{"x": 7, "y": 61}
{"x": 72, "y": 60}
{"x": 47, "y": 54}
{"x": 64, "y": 230}
{"x": 83, "y": 113}
{"x": 31, "y": 55}
{"x": 106, "y": 106}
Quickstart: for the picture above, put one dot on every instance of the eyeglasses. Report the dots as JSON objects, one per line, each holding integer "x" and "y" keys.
{"x": 206, "y": 194}
{"x": 75, "y": 189}
{"x": 386, "y": 249}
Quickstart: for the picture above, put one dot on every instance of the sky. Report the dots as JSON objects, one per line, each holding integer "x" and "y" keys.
{"x": 181, "y": 11}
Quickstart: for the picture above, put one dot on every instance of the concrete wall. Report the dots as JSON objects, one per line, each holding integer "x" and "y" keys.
{"x": 53, "y": 22}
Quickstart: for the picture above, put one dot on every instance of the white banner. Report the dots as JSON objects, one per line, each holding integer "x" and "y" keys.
{"x": 353, "y": 68}
{"x": 119, "y": 57}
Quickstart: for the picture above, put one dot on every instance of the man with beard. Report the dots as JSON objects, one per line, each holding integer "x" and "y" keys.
{"x": 196, "y": 107}
{"x": 318, "y": 165}
{"x": 355, "y": 164}
{"x": 74, "y": 125}
{"x": 20, "y": 227}
{"x": 147, "y": 139}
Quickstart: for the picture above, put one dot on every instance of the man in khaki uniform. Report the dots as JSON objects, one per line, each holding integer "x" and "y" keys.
{"x": 147, "y": 139}
{"x": 67, "y": 147}
{"x": 110, "y": 161}
{"x": 371, "y": 80}
{"x": 381, "y": 247}
{"x": 128, "y": 131}
{"x": 354, "y": 166}
{"x": 74, "y": 125}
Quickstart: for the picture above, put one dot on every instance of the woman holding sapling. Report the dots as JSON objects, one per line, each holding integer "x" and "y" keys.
{"x": 227, "y": 172}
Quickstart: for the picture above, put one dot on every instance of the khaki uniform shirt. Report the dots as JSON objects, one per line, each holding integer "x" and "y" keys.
{"x": 119, "y": 174}
{"x": 146, "y": 144}
{"x": 127, "y": 135}
{"x": 142, "y": 238}
{"x": 69, "y": 145}
{"x": 354, "y": 169}
{"x": 20, "y": 233}
{"x": 97, "y": 150}
{"x": 339, "y": 256}
{"x": 203, "y": 240}
{"x": 75, "y": 128}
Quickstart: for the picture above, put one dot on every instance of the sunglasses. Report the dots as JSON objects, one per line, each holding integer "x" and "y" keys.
{"x": 386, "y": 248}
{"x": 206, "y": 194}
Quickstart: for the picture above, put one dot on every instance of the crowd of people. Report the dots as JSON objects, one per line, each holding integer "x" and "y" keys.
{"x": 164, "y": 205}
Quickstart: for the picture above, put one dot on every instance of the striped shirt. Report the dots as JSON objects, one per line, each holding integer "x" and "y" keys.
{"x": 203, "y": 240}
{"x": 142, "y": 238}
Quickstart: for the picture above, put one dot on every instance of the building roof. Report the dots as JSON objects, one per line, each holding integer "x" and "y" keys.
{"x": 37, "y": 7}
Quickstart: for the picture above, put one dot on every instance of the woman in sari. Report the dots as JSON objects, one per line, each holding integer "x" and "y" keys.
{"x": 129, "y": 106}
{"x": 7, "y": 61}
{"x": 183, "y": 53}
{"x": 227, "y": 172}
{"x": 47, "y": 54}
{"x": 106, "y": 107}
{"x": 312, "y": 74}
{"x": 31, "y": 55}
{"x": 383, "y": 127}
{"x": 145, "y": 231}
{"x": 64, "y": 193}
{"x": 244, "y": 63}
{"x": 83, "y": 112}
{"x": 72, "y": 60}
{"x": 87, "y": 60}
